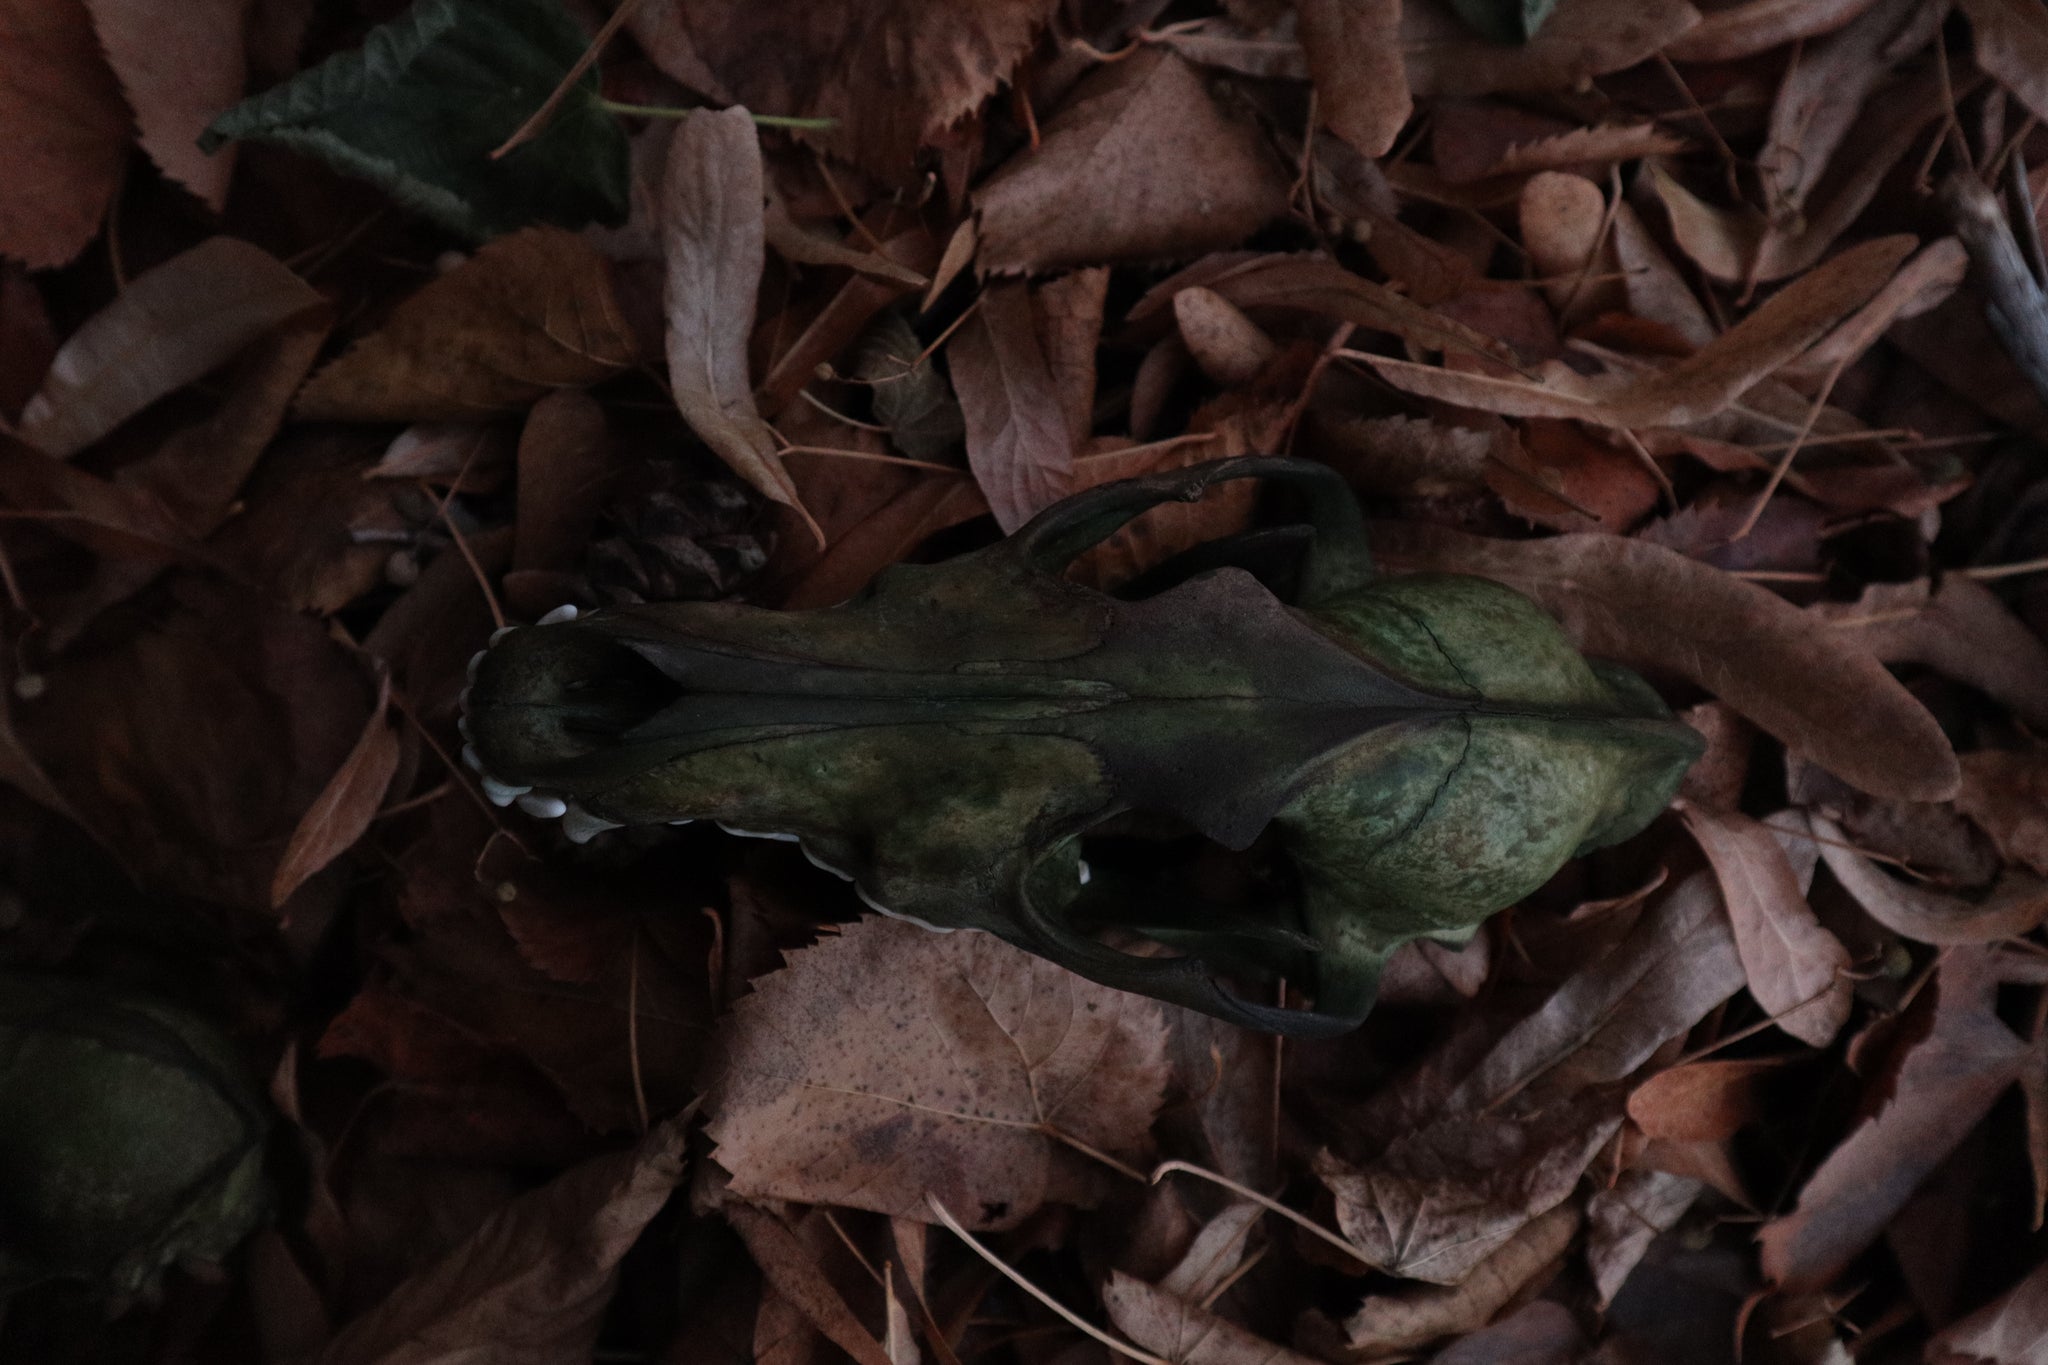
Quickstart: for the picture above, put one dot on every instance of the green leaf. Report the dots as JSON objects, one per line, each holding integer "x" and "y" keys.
{"x": 418, "y": 109}
{"x": 1505, "y": 21}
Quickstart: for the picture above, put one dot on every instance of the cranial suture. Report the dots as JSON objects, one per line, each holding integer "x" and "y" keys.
{"x": 1417, "y": 751}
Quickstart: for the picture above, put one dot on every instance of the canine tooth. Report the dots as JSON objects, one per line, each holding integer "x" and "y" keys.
{"x": 816, "y": 861}
{"x": 500, "y": 793}
{"x": 565, "y": 612}
{"x": 476, "y": 661}
{"x": 462, "y": 727}
{"x": 501, "y": 632}
{"x": 476, "y": 765}
{"x": 541, "y": 806}
{"x": 871, "y": 903}
{"x": 579, "y": 824}
{"x": 758, "y": 834}
{"x": 1085, "y": 872}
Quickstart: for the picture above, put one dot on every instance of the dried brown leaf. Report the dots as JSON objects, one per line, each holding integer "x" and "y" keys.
{"x": 1353, "y": 49}
{"x": 345, "y": 806}
{"x": 1580, "y": 39}
{"x": 1945, "y": 1085}
{"x": 67, "y": 131}
{"x": 530, "y": 1286}
{"x": 892, "y": 75}
{"x": 180, "y": 65}
{"x": 888, "y": 1062}
{"x": 528, "y": 313}
{"x": 1019, "y": 443}
{"x": 2006, "y": 794}
{"x": 1401, "y": 1322}
{"x": 1961, "y": 629}
{"x": 1183, "y": 1332}
{"x": 1650, "y": 607}
{"x": 1743, "y": 30}
{"x": 711, "y": 222}
{"x": 2010, "y": 1330}
{"x": 2016, "y": 904}
{"x": 1141, "y": 163}
{"x": 564, "y": 457}
{"x": 1707, "y": 1101}
{"x": 1563, "y": 221}
{"x": 171, "y": 325}
{"x": 1623, "y": 1220}
{"x": 793, "y": 1269}
{"x": 1600, "y": 145}
{"x": 2011, "y": 43}
{"x": 1694, "y": 388}
{"x": 118, "y": 521}
{"x": 1228, "y": 346}
{"x": 1797, "y": 970}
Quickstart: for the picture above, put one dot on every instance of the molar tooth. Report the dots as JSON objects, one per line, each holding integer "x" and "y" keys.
{"x": 758, "y": 834}
{"x": 542, "y": 806}
{"x": 871, "y": 903}
{"x": 500, "y": 793}
{"x": 565, "y": 612}
{"x": 476, "y": 765}
{"x": 579, "y": 824}
{"x": 816, "y": 861}
{"x": 501, "y": 632}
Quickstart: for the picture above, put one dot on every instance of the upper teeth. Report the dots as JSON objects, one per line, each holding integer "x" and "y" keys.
{"x": 565, "y": 612}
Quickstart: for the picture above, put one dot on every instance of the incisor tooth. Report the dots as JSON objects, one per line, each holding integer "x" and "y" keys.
{"x": 500, "y": 793}
{"x": 541, "y": 806}
{"x": 565, "y": 612}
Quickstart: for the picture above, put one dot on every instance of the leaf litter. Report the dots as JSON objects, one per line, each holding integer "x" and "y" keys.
{"x": 1706, "y": 328}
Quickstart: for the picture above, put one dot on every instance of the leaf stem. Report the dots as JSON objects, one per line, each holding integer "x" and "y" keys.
{"x": 675, "y": 111}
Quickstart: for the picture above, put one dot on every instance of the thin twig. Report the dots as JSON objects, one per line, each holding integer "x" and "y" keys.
{"x": 541, "y": 117}
{"x": 1265, "y": 1202}
{"x": 1073, "y": 1319}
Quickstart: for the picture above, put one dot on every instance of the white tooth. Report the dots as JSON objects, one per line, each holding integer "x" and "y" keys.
{"x": 757, "y": 834}
{"x": 684, "y": 821}
{"x": 462, "y": 725}
{"x": 475, "y": 662}
{"x": 816, "y": 861}
{"x": 565, "y": 612}
{"x": 1085, "y": 873}
{"x": 874, "y": 904}
{"x": 500, "y": 793}
{"x": 500, "y": 633}
{"x": 476, "y": 765}
{"x": 541, "y": 806}
{"x": 579, "y": 824}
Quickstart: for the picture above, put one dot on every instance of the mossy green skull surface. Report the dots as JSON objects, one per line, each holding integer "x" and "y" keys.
{"x": 129, "y": 1137}
{"x": 1423, "y": 751}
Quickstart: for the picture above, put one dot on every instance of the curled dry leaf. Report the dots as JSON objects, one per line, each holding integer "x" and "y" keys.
{"x": 171, "y": 325}
{"x": 67, "y": 131}
{"x": 1694, "y": 388}
{"x": 1019, "y": 442}
{"x": 888, "y": 1062}
{"x": 1169, "y": 1325}
{"x": 2011, "y": 42}
{"x": 1653, "y": 608}
{"x": 1228, "y": 346}
{"x": 1405, "y": 1320}
{"x": 1581, "y": 38}
{"x": 1622, "y": 1221}
{"x": 530, "y": 1286}
{"x": 715, "y": 247}
{"x": 1707, "y": 1101}
{"x": 530, "y": 312}
{"x": 1797, "y": 970}
{"x": 1946, "y": 1083}
{"x": 793, "y": 1269}
{"x": 2010, "y": 1330}
{"x": 564, "y": 456}
{"x": 2016, "y": 904}
{"x": 1188, "y": 175}
{"x": 1354, "y": 57}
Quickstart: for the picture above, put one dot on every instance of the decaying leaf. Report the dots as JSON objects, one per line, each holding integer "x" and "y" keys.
{"x": 67, "y": 131}
{"x": 1184, "y": 1332}
{"x": 179, "y": 67}
{"x": 531, "y": 1285}
{"x": 1582, "y": 38}
{"x": 1354, "y": 57}
{"x": 343, "y": 810}
{"x": 2015, "y": 905}
{"x": 169, "y": 327}
{"x": 1400, "y": 1322}
{"x": 1189, "y": 176}
{"x": 889, "y": 1062}
{"x": 1018, "y": 441}
{"x": 2006, "y": 794}
{"x": 530, "y": 312}
{"x": 715, "y": 249}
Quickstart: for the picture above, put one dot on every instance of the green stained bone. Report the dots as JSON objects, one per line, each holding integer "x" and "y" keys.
{"x": 1426, "y": 750}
